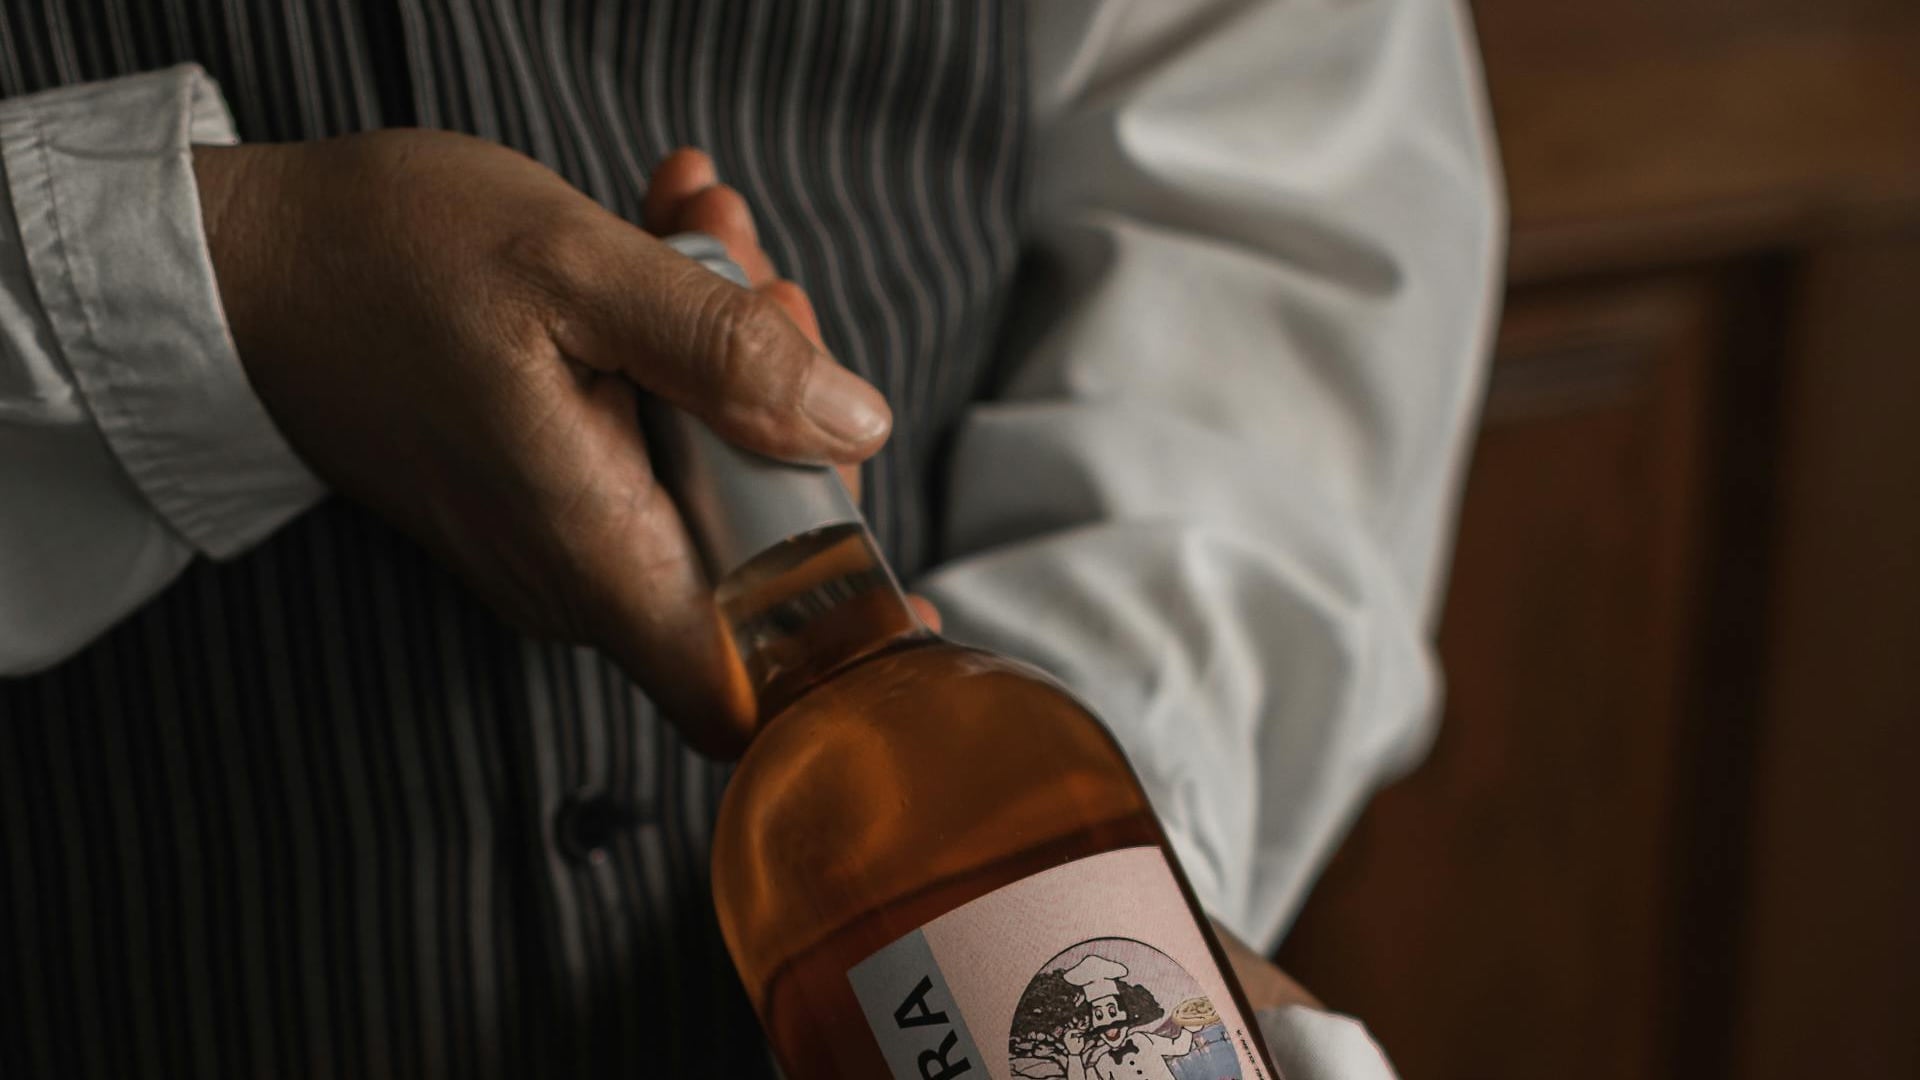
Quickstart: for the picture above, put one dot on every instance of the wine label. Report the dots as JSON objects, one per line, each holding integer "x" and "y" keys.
{"x": 1090, "y": 971}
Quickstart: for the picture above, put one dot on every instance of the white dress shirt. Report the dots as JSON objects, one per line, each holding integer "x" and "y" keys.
{"x": 1213, "y": 494}
{"x": 1216, "y": 493}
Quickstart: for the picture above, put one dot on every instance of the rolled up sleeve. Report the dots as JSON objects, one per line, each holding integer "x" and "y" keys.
{"x": 133, "y": 438}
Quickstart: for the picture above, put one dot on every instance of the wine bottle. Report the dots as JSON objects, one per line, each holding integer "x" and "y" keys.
{"x": 932, "y": 862}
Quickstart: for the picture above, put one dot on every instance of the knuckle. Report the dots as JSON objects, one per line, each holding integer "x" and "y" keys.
{"x": 743, "y": 332}
{"x": 558, "y": 253}
{"x": 785, "y": 292}
{"x": 551, "y": 261}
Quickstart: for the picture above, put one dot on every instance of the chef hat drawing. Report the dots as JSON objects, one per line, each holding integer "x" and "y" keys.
{"x": 1097, "y": 977}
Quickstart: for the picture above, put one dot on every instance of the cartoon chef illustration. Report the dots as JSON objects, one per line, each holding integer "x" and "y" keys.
{"x": 1115, "y": 1053}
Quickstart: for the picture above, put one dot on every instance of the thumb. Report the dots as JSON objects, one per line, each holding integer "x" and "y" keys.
{"x": 728, "y": 355}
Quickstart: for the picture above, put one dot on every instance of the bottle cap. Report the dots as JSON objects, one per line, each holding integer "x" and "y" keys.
{"x": 736, "y": 503}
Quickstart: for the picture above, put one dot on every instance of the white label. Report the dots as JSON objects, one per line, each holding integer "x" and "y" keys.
{"x": 1090, "y": 971}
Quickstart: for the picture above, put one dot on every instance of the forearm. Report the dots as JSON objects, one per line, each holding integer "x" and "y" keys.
{"x": 1214, "y": 491}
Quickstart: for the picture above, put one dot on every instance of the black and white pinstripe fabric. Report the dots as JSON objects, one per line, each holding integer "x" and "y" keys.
{"x": 301, "y": 816}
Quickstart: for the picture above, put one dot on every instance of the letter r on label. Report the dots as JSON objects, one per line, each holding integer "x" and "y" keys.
{"x": 938, "y": 1058}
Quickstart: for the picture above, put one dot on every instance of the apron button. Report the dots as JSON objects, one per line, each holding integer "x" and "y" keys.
{"x": 587, "y": 825}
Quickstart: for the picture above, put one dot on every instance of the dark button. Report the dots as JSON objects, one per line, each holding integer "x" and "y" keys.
{"x": 585, "y": 825}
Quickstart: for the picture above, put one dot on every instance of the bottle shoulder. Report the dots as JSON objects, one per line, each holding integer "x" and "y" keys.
{"x": 910, "y": 718}
{"x": 919, "y": 682}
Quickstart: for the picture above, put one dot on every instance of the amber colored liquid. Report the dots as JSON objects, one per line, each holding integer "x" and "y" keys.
{"x": 886, "y": 791}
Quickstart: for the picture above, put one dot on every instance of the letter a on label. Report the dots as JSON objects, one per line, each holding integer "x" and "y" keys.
{"x": 913, "y": 1012}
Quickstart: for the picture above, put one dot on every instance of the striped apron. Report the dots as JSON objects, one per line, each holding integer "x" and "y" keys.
{"x": 317, "y": 812}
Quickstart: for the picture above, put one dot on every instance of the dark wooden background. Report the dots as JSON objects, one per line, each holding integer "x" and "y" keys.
{"x": 1671, "y": 827}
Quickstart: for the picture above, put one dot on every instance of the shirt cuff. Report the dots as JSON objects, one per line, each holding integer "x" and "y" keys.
{"x": 101, "y": 177}
{"x": 1309, "y": 1044}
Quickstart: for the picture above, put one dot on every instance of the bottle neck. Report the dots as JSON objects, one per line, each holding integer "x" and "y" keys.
{"x": 802, "y": 588}
{"x": 809, "y": 606}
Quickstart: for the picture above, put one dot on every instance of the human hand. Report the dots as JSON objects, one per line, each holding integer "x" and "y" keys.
{"x": 449, "y": 333}
{"x": 1266, "y": 986}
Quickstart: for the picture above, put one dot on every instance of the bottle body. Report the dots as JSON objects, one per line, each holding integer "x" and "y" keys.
{"x": 928, "y": 779}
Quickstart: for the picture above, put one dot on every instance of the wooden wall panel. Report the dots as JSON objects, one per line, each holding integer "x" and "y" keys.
{"x": 1667, "y": 829}
{"x": 1655, "y": 125}
{"x": 1830, "y": 985}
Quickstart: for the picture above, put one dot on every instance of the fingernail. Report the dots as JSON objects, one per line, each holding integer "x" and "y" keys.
{"x": 844, "y": 405}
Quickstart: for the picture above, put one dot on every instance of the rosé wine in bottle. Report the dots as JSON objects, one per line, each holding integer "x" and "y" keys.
{"x": 932, "y": 862}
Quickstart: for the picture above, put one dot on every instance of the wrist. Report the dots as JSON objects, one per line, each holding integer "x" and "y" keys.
{"x": 237, "y": 186}
{"x": 1266, "y": 986}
